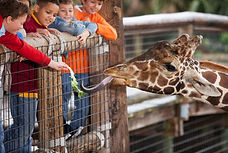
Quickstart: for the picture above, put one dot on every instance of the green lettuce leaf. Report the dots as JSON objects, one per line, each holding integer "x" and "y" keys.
{"x": 74, "y": 84}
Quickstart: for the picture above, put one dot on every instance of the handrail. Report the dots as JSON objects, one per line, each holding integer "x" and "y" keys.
{"x": 175, "y": 19}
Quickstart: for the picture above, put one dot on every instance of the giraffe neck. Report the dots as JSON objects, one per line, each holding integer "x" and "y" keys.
{"x": 218, "y": 76}
{"x": 213, "y": 73}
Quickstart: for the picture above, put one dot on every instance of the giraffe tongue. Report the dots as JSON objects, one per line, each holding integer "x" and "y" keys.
{"x": 99, "y": 86}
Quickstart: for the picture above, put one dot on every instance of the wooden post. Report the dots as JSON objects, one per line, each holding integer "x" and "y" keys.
{"x": 99, "y": 101}
{"x": 119, "y": 142}
{"x": 50, "y": 110}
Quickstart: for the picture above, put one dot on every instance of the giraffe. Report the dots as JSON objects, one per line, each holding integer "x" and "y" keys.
{"x": 168, "y": 68}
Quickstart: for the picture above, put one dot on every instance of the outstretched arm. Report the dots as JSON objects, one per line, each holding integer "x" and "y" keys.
{"x": 89, "y": 26}
{"x": 75, "y": 27}
{"x": 21, "y": 47}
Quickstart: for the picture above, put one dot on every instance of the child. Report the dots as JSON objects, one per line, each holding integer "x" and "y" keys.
{"x": 65, "y": 22}
{"x": 12, "y": 16}
{"x": 89, "y": 12}
{"x": 23, "y": 92}
{"x": 78, "y": 61}
{"x": 41, "y": 17}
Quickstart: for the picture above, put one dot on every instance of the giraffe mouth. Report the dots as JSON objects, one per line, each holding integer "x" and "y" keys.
{"x": 97, "y": 87}
{"x": 114, "y": 75}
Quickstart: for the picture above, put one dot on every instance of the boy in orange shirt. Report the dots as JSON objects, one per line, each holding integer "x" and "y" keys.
{"x": 78, "y": 60}
{"x": 88, "y": 11}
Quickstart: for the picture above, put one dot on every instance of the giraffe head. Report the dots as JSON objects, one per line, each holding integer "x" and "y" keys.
{"x": 166, "y": 68}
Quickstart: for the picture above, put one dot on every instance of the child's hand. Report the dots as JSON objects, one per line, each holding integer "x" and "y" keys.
{"x": 20, "y": 58}
{"x": 55, "y": 31}
{"x": 73, "y": 22}
{"x": 58, "y": 65}
{"x": 34, "y": 34}
{"x": 44, "y": 31}
{"x": 82, "y": 37}
{"x": 86, "y": 18}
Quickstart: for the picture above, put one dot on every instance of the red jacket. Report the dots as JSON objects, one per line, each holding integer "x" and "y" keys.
{"x": 21, "y": 47}
{"x": 24, "y": 76}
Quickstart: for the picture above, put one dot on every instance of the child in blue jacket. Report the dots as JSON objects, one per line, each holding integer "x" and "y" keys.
{"x": 65, "y": 22}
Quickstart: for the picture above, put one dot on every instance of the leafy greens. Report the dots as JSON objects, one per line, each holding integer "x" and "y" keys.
{"x": 74, "y": 84}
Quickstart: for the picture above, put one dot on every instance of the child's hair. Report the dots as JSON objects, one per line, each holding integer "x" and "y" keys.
{"x": 98, "y": 0}
{"x": 42, "y": 3}
{"x": 66, "y": 1}
{"x": 30, "y": 3}
{"x": 13, "y": 8}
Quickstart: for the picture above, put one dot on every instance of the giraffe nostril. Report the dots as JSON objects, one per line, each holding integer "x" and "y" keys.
{"x": 122, "y": 67}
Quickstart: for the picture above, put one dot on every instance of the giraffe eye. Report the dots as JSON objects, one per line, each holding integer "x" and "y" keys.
{"x": 169, "y": 67}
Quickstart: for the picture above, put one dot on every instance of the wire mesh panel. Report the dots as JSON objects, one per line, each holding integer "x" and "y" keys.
{"x": 41, "y": 111}
{"x": 201, "y": 134}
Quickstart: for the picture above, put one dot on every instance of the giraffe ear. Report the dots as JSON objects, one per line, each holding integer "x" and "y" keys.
{"x": 202, "y": 85}
{"x": 207, "y": 89}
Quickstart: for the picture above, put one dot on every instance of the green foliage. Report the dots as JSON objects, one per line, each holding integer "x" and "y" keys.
{"x": 74, "y": 84}
{"x": 206, "y": 42}
{"x": 224, "y": 38}
{"x": 170, "y": 6}
{"x": 198, "y": 54}
{"x": 214, "y": 42}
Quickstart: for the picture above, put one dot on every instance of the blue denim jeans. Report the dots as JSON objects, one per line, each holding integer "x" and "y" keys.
{"x": 81, "y": 106}
{"x": 2, "y": 149}
{"x": 18, "y": 137}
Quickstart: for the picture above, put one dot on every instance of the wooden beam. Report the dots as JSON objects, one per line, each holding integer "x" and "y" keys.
{"x": 175, "y": 19}
{"x": 162, "y": 113}
{"x": 151, "y": 116}
{"x": 119, "y": 142}
{"x": 99, "y": 100}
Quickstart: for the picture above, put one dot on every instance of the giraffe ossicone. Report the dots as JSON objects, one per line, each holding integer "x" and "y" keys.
{"x": 168, "y": 68}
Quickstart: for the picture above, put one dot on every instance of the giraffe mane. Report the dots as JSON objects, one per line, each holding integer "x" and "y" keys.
{"x": 214, "y": 66}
